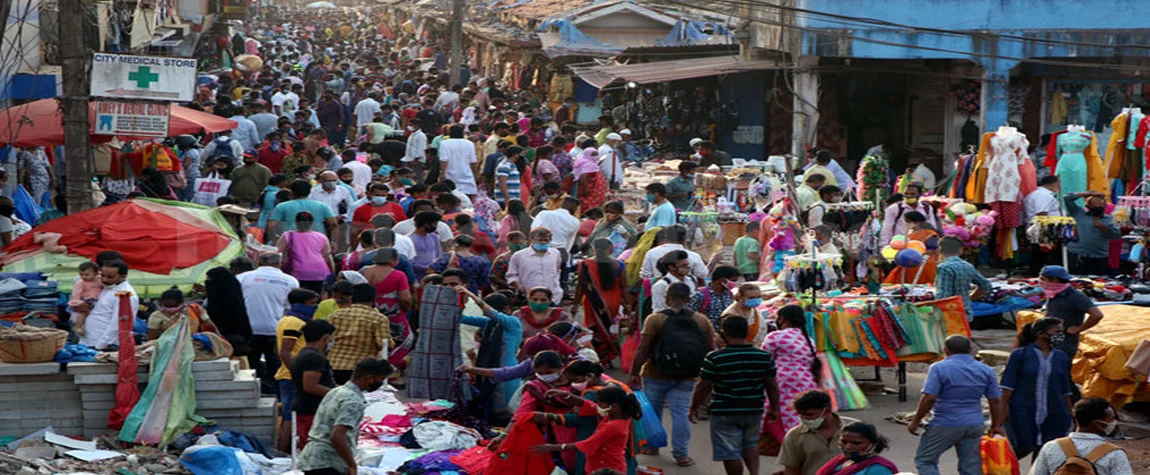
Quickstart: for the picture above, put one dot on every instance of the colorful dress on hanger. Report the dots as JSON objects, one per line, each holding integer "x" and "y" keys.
{"x": 1072, "y": 168}
{"x": 1004, "y": 182}
{"x": 793, "y": 357}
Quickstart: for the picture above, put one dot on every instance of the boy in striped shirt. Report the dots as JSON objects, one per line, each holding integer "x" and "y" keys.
{"x": 738, "y": 375}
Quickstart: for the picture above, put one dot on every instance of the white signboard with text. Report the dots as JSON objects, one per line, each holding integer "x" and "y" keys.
{"x": 143, "y": 77}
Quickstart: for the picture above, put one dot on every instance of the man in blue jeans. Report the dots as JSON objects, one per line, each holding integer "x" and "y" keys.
{"x": 954, "y": 389}
{"x": 664, "y": 389}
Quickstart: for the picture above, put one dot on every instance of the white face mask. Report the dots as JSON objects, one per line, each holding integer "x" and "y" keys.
{"x": 1109, "y": 427}
{"x": 547, "y": 378}
{"x": 579, "y": 386}
{"x": 603, "y": 411}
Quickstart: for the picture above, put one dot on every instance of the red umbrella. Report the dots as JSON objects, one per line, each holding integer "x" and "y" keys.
{"x": 41, "y": 123}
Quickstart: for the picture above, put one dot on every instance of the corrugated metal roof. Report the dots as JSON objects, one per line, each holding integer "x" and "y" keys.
{"x": 662, "y": 71}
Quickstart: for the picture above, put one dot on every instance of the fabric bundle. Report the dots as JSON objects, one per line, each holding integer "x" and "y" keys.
{"x": 438, "y": 351}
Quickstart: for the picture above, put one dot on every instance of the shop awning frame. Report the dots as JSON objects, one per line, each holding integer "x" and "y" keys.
{"x": 662, "y": 71}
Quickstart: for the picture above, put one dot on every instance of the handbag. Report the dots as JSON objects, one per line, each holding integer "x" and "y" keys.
{"x": 771, "y": 440}
{"x": 286, "y": 264}
{"x": 211, "y": 188}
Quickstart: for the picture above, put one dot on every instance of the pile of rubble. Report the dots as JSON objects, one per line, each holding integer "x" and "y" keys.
{"x": 53, "y": 454}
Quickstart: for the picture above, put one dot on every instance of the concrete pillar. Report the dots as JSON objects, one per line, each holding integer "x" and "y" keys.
{"x": 996, "y": 93}
{"x": 805, "y": 119}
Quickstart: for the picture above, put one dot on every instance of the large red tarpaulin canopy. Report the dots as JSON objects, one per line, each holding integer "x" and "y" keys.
{"x": 152, "y": 237}
{"x": 41, "y": 123}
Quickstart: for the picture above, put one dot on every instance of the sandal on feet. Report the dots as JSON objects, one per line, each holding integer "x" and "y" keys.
{"x": 684, "y": 461}
{"x": 649, "y": 451}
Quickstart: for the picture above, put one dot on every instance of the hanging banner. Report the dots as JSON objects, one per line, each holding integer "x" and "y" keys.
{"x": 133, "y": 119}
{"x": 143, "y": 77}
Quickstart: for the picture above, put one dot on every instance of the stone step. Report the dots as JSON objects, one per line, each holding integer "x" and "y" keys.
{"x": 38, "y": 387}
{"x": 9, "y": 398}
{"x": 27, "y": 369}
{"x": 209, "y": 404}
{"x": 265, "y": 407}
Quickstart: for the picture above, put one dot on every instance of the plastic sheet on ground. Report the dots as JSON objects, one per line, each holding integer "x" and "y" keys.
{"x": 1100, "y": 366}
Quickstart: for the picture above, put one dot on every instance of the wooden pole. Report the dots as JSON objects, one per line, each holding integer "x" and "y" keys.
{"x": 74, "y": 55}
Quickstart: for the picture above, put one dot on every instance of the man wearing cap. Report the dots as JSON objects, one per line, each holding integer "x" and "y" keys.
{"x": 627, "y": 149}
{"x": 609, "y": 162}
{"x": 249, "y": 180}
{"x": 1077, "y": 311}
{"x": 681, "y": 189}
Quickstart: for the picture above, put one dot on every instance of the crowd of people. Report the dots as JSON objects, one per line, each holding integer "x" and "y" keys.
{"x": 370, "y": 175}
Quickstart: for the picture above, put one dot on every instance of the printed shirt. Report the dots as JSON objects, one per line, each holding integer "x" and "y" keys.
{"x": 954, "y": 277}
{"x": 359, "y": 333}
{"x": 343, "y": 406}
{"x": 714, "y": 309}
{"x": 739, "y": 373}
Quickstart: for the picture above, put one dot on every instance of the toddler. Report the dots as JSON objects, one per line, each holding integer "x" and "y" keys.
{"x": 87, "y": 290}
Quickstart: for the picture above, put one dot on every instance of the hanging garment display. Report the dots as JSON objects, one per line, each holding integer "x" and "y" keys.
{"x": 1132, "y": 210}
{"x": 1072, "y": 165}
{"x": 1049, "y": 231}
{"x": 1008, "y": 152}
{"x": 803, "y": 273}
{"x": 438, "y": 351}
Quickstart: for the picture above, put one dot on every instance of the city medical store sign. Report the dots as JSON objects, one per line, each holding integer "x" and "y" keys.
{"x": 153, "y": 78}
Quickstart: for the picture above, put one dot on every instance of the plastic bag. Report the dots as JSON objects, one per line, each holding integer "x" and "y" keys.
{"x": 208, "y": 189}
{"x": 652, "y": 423}
{"x": 997, "y": 457}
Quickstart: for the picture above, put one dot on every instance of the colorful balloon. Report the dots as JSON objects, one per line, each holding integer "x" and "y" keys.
{"x": 889, "y": 253}
{"x": 898, "y": 242}
{"x": 916, "y": 245}
{"x": 908, "y": 257}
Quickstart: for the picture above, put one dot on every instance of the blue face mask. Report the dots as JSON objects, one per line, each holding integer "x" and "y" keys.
{"x": 303, "y": 310}
{"x": 753, "y": 303}
{"x": 378, "y": 200}
{"x": 650, "y": 198}
{"x": 540, "y": 247}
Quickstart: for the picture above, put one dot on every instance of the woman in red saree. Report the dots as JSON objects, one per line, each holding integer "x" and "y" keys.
{"x": 600, "y": 289}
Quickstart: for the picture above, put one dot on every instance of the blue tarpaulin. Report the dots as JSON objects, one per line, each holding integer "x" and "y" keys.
{"x": 688, "y": 33}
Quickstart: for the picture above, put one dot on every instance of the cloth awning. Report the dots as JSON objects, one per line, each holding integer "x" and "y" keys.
{"x": 663, "y": 71}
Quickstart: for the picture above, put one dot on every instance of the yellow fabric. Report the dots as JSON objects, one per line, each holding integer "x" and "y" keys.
{"x": 635, "y": 262}
{"x": 325, "y": 309}
{"x": 1100, "y": 365}
{"x": 976, "y": 186}
{"x": 292, "y": 326}
{"x": 843, "y": 334}
{"x": 1095, "y": 173}
{"x": 1058, "y": 108}
{"x": 1116, "y": 151}
{"x": 820, "y": 332}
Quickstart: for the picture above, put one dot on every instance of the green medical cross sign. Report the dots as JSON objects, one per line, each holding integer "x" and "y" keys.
{"x": 143, "y": 77}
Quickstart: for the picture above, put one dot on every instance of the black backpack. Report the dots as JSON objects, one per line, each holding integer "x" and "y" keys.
{"x": 682, "y": 347}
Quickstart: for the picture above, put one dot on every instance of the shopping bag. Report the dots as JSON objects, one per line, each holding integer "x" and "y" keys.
{"x": 771, "y": 440}
{"x": 997, "y": 457}
{"x": 208, "y": 189}
{"x": 652, "y": 424}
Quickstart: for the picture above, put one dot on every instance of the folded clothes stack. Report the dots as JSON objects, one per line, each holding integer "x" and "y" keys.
{"x": 41, "y": 296}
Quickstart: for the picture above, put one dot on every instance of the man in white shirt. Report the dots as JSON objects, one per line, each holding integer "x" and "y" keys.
{"x": 224, "y": 139}
{"x": 102, "y": 327}
{"x": 415, "y": 155}
{"x": 449, "y": 98}
{"x": 537, "y": 266}
{"x": 286, "y": 101}
{"x": 366, "y": 109}
{"x": 266, "y": 292}
{"x": 339, "y": 199}
{"x": 361, "y": 172}
{"x": 675, "y": 237}
{"x": 406, "y": 227}
{"x": 1043, "y": 201}
{"x": 562, "y": 224}
{"x": 609, "y": 162}
{"x": 246, "y": 132}
{"x": 457, "y": 161}
{"x": 678, "y": 267}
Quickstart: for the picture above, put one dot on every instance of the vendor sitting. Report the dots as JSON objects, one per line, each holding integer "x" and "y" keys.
{"x": 171, "y": 308}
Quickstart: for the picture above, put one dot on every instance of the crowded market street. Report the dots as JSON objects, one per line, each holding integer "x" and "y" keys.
{"x": 577, "y": 237}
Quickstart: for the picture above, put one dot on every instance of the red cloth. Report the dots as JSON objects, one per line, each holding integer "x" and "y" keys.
{"x": 1051, "y": 161}
{"x": 271, "y": 159}
{"x": 513, "y": 456}
{"x": 153, "y": 237}
{"x": 1140, "y": 138}
{"x": 302, "y": 427}
{"x": 607, "y": 447}
{"x": 473, "y": 461}
{"x": 128, "y": 388}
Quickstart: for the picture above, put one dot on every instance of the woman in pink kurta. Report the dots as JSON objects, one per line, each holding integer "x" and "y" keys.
{"x": 795, "y": 361}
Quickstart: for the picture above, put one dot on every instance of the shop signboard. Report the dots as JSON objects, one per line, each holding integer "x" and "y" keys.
{"x": 156, "y": 78}
{"x": 135, "y": 119}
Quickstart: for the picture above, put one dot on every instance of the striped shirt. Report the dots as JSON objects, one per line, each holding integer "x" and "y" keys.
{"x": 507, "y": 168}
{"x": 739, "y": 373}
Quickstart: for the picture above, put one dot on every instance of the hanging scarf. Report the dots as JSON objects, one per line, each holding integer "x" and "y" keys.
{"x": 635, "y": 262}
{"x": 552, "y": 317}
{"x": 832, "y": 467}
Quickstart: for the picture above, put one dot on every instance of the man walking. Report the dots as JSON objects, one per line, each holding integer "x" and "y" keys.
{"x": 1096, "y": 421}
{"x": 360, "y": 332}
{"x": 266, "y": 292}
{"x": 670, "y": 357}
{"x": 954, "y": 389}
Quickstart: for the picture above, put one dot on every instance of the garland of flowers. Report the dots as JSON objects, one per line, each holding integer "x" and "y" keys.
{"x": 872, "y": 178}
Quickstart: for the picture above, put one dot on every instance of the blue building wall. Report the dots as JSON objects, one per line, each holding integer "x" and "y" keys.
{"x": 1073, "y": 21}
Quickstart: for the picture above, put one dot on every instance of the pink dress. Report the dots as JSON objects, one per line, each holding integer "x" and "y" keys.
{"x": 307, "y": 255}
{"x": 793, "y": 358}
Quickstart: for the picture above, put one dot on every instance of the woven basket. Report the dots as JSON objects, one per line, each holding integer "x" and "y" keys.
{"x": 25, "y": 344}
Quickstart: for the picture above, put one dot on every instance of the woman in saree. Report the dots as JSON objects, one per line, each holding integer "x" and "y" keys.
{"x": 600, "y": 289}
{"x": 590, "y": 185}
{"x": 918, "y": 230}
{"x": 613, "y": 222}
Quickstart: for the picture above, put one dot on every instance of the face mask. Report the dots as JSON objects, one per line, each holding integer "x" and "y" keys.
{"x": 539, "y": 306}
{"x": 1050, "y": 289}
{"x": 378, "y": 200}
{"x": 304, "y": 310}
{"x": 690, "y": 177}
{"x": 812, "y": 424}
{"x": 172, "y": 310}
{"x": 547, "y": 378}
{"x": 650, "y": 198}
{"x": 1108, "y": 428}
{"x": 911, "y": 201}
{"x": 753, "y": 303}
{"x": 516, "y": 247}
{"x": 579, "y": 386}
{"x": 540, "y": 247}
{"x": 1057, "y": 340}
{"x": 857, "y": 455}
{"x": 327, "y": 349}
{"x": 603, "y": 411}
{"x": 406, "y": 182}
{"x": 274, "y": 146}
{"x": 328, "y": 185}
{"x": 1095, "y": 211}
{"x": 347, "y": 181}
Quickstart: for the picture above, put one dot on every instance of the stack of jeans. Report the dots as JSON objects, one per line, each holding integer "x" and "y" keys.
{"x": 11, "y": 296}
{"x": 41, "y": 296}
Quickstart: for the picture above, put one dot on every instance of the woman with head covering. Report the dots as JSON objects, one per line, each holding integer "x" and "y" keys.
{"x": 225, "y": 303}
{"x": 599, "y": 289}
{"x": 590, "y": 185}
